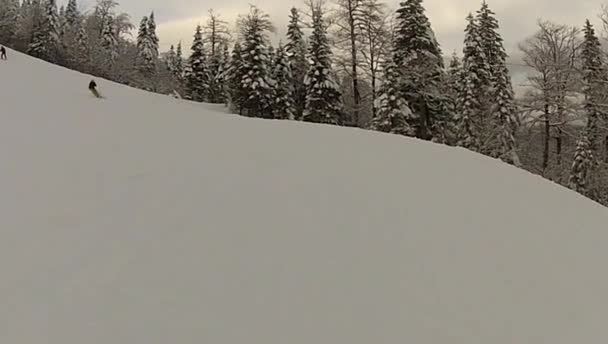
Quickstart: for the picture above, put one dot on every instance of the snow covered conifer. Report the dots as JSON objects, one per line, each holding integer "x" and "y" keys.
{"x": 393, "y": 113}
{"x": 72, "y": 16}
{"x": 582, "y": 165}
{"x": 45, "y": 42}
{"x": 142, "y": 34}
{"x": 170, "y": 59}
{"x": 283, "y": 107}
{"x": 152, "y": 34}
{"x": 82, "y": 47}
{"x": 505, "y": 117}
{"x": 221, "y": 77}
{"x": 147, "y": 48}
{"x": 471, "y": 116}
{"x": 9, "y": 19}
{"x": 257, "y": 83}
{"x": 197, "y": 76}
{"x": 323, "y": 97}
{"x": 109, "y": 42}
{"x": 179, "y": 63}
{"x": 296, "y": 50}
{"x": 593, "y": 75}
{"x": 419, "y": 59}
{"x": 234, "y": 77}
{"x": 491, "y": 42}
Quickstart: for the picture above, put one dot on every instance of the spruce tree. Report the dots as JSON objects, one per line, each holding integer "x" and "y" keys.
{"x": 502, "y": 121}
{"x": 419, "y": 59}
{"x": 235, "y": 75}
{"x": 283, "y": 95}
{"x": 257, "y": 83}
{"x": 82, "y": 47}
{"x": 222, "y": 74}
{"x": 71, "y": 25}
{"x": 393, "y": 113}
{"x": 109, "y": 43}
{"x": 593, "y": 79}
{"x": 452, "y": 90}
{"x": 215, "y": 88}
{"x": 9, "y": 19}
{"x": 72, "y": 15}
{"x": 323, "y": 97}
{"x": 142, "y": 34}
{"x": 296, "y": 50}
{"x": 179, "y": 63}
{"x": 170, "y": 59}
{"x": 505, "y": 117}
{"x": 152, "y": 34}
{"x": 473, "y": 88}
{"x": 147, "y": 48}
{"x": 215, "y": 34}
{"x": 582, "y": 165}
{"x": 197, "y": 76}
{"x": 45, "y": 42}
{"x": 492, "y": 42}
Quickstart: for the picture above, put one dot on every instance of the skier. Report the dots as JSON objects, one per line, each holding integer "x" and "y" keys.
{"x": 2, "y": 53}
{"x": 93, "y": 89}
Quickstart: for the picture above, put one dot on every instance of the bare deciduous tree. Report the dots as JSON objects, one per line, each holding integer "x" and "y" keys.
{"x": 552, "y": 53}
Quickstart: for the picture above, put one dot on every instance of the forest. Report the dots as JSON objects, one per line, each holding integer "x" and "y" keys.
{"x": 357, "y": 63}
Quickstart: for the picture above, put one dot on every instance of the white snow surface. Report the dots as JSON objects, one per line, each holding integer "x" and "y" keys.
{"x": 145, "y": 219}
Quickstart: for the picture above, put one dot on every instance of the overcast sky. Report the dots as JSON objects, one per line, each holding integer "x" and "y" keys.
{"x": 177, "y": 19}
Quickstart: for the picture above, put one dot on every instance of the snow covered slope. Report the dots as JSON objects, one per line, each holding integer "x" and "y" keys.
{"x": 140, "y": 219}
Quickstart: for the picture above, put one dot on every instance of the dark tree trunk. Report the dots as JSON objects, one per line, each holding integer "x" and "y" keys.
{"x": 547, "y": 141}
{"x": 354, "y": 63}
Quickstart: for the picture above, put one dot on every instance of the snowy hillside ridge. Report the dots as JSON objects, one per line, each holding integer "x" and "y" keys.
{"x": 143, "y": 219}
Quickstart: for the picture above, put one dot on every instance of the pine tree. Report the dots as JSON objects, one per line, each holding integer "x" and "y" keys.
{"x": 593, "y": 82}
{"x": 142, "y": 34}
{"x": 582, "y": 165}
{"x": 72, "y": 15}
{"x": 504, "y": 113}
{"x": 9, "y": 19}
{"x": 197, "y": 76}
{"x": 283, "y": 97}
{"x": 152, "y": 35}
{"x": 45, "y": 42}
{"x": 109, "y": 42}
{"x": 82, "y": 47}
{"x": 492, "y": 42}
{"x": 170, "y": 59}
{"x": 452, "y": 90}
{"x": 234, "y": 77}
{"x": 296, "y": 49}
{"x": 70, "y": 27}
{"x": 215, "y": 88}
{"x": 147, "y": 48}
{"x": 179, "y": 63}
{"x": 419, "y": 59}
{"x": 393, "y": 113}
{"x": 502, "y": 121}
{"x": 323, "y": 97}
{"x": 475, "y": 72}
{"x": 222, "y": 74}
{"x": 257, "y": 83}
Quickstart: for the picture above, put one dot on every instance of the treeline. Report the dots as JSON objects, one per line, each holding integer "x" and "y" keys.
{"x": 355, "y": 63}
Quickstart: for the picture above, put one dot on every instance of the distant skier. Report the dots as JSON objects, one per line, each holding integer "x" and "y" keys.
{"x": 2, "y": 53}
{"x": 93, "y": 89}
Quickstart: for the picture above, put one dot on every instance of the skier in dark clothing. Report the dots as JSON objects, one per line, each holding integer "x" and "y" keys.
{"x": 93, "y": 89}
{"x": 2, "y": 53}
